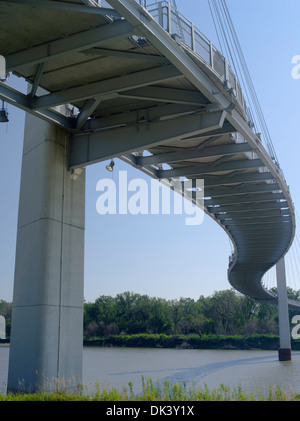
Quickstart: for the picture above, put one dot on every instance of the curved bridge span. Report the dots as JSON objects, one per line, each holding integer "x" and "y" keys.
{"x": 147, "y": 87}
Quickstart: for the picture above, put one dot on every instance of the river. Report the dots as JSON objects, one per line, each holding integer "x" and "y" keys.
{"x": 254, "y": 370}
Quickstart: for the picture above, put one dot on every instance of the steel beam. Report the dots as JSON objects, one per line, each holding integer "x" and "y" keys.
{"x": 256, "y": 206}
{"x": 259, "y": 222}
{"x": 67, "y": 6}
{"x": 282, "y": 237}
{"x": 87, "y": 110}
{"x": 163, "y": 94}
{"x": 261, "y": 254}
{"x": 242, "y": 237}
{"x": 269, "y": 243}
{"x": 272, "y": 220}
{"x": 107, "y": 87}
{"x": 257, "y": 214}
{"x": 254, "y": 244}
{"x": 37, "y": 79}
{"x": 142, "y": 115}
{"x": 18, "y": 99}
{"x": 70, "y": 44}
{"x": 255, "y": 236}
{"x": 105, "y": 52}
{"x": 237, "y": 178}
{"x": 256, "y": 240}
{"x": 238, "y": 201}
{"x": 226, "y": 129}
{"x": 207, "y": 168}
{"x": 255, "y": 218}
{"x": 241, "y": 189}
{"x": 194, "y": 153}
{"x": 236, "y": 209}
{"x": 280, "y": 229}
{"x": 97, "y": 147}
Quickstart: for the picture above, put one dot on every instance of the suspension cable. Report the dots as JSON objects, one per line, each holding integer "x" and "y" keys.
{"x": 225, "y": 29}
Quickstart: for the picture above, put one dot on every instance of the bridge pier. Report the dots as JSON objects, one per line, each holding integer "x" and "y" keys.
{"x": 47, "y": 317}
{"x": 284, "y": 351}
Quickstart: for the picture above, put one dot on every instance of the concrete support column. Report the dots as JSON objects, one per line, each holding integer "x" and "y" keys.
{"x": 284, "y": 352}
{"x": 47, "y": 318}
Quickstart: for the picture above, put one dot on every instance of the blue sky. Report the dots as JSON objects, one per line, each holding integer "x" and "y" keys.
{"x": 159, "y": 255}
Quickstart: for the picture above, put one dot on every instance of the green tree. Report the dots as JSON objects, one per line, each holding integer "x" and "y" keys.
{"x": 247, "y": 315}
{"x": 160, "y": 318}
{"x": 132, "y": 312}
{"x": 222, "y": 309}
{"x": 176, "y": 312}
{"x": 188, "y": 314}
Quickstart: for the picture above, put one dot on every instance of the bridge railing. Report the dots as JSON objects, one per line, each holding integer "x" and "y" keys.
{"x": 231, "y": 260}
{"x": 184, "y": 31}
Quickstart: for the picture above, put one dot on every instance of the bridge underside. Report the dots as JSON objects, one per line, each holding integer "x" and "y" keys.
{"x": 115, "y": 82}
{"x": 134, "y": 91}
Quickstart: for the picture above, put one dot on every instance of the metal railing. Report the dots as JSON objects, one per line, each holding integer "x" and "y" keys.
{"x": 231, "y": 260}
{"x": 185, "y": 32}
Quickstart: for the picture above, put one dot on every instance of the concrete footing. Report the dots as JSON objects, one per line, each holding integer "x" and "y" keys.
{"x": 47, "y": 316}
{"x": 284, "y": 354}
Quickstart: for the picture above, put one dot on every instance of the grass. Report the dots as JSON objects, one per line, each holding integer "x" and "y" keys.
{"x": 161, "y": 391}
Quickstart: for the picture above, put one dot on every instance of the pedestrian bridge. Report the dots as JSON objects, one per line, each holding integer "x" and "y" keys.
{"x": 146, "y": 86}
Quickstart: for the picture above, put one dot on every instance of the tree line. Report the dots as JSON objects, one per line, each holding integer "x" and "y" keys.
{"x": 223, "y": 313}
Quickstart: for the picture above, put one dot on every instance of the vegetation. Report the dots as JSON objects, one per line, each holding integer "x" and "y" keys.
{"x": 165, "y": 391}
{"x": 226, "y": 319}
{"x": 265, "y": 342}
{"x": 224, "y": 313}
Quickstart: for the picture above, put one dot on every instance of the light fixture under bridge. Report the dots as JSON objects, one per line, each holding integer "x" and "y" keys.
{"x": 110, "y": 166}
{"x": 3, "y": 114}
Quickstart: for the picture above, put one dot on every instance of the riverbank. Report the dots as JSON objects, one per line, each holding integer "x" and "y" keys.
{"x": 159, "y": 392}
{"x": 262, "y": 342}
{"x": 222, "y": 342}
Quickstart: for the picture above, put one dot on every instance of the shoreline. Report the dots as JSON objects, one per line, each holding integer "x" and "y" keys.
{"x": 218, "y": 342}
{"x": 221, "y": 342}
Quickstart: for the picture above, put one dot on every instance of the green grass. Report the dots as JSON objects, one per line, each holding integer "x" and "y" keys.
{"x": 161, "y": 391}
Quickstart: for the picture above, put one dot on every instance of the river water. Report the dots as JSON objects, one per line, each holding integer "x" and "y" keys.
{"x": 255, "y": 371}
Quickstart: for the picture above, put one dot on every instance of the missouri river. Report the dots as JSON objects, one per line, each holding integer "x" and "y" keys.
{"x": 115, "y": 367}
